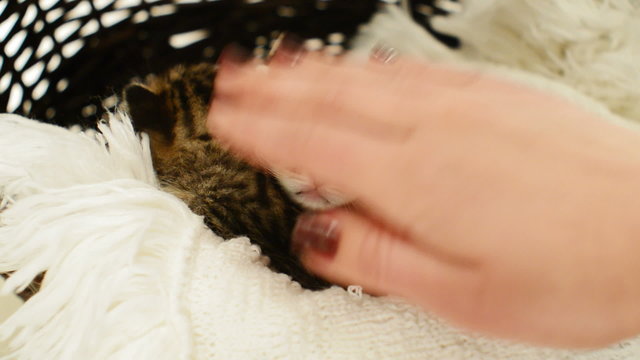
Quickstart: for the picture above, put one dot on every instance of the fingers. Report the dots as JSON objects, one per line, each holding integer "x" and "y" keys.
{"x": 345, "y": 126}
{"x": 343, "y": 160}
{"x": 348, "y": 249}
{"x": 349, "y": 97}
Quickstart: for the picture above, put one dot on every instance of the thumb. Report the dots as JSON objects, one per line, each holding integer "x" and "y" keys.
{"x": 349, "y": 249}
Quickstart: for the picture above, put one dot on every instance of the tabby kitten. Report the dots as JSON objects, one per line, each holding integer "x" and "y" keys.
{"x": 235, "y": 198}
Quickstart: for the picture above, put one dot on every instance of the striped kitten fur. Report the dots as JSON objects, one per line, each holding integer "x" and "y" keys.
{"x": 235, "y": 198}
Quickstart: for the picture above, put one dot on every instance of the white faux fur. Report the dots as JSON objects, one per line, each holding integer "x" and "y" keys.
{"x": 587, "y": 50}
{"x": 114, "y": 247}
{"x": 592, "y": 46}
{"x": 133, "y": 274}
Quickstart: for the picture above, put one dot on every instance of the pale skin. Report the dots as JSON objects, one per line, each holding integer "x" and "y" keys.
{"x": 501, "y": 209}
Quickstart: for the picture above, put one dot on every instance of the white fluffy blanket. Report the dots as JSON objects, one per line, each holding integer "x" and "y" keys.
{"x": 133, "y": 274}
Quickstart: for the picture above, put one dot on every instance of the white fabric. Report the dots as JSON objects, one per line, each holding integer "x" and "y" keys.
{"x": 114, "y": 246}
{"x": 133, "y": 274}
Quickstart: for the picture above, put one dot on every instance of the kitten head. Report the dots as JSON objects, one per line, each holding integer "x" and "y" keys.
{"x": 172, "y": 107}
{"x": 306, "y": 192}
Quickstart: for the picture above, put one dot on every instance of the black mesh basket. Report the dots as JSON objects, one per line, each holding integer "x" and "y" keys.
{"x": 63, "y": 60}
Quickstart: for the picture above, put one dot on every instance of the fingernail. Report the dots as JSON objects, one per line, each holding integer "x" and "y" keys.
{"x": 315, "y": 232}
{"x": 233, "y": 56}
{"x": 289, "y": 51}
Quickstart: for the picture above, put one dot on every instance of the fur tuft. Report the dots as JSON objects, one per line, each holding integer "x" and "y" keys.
{"x": 86, "y": 210}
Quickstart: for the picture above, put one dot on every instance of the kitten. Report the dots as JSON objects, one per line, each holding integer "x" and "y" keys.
{"x": 235, "y": 198}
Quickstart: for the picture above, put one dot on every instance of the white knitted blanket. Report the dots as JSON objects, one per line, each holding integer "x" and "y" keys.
{"x": 133, "y": 274}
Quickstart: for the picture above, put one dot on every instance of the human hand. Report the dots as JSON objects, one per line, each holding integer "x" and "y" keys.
{"x": 499, "y": 208}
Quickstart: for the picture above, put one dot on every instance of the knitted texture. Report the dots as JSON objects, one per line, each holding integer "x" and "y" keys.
{"x": 241, "y": 310}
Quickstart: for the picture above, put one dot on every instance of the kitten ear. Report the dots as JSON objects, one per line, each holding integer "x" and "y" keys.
{"x": 148, "y": 110}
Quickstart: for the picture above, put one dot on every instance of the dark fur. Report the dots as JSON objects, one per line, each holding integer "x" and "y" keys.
{"x": 234, "y": 198}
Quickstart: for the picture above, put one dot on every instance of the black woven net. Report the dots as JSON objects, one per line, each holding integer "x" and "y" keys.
{"x": 63, "y": 60}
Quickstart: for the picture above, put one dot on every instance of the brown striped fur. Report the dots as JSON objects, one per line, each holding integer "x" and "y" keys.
{"x": 235, "y": 198}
